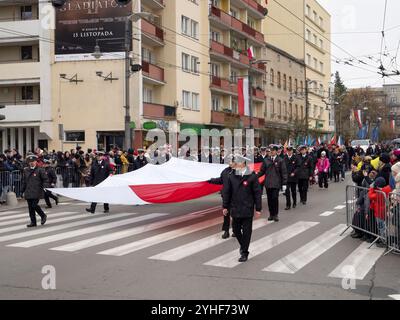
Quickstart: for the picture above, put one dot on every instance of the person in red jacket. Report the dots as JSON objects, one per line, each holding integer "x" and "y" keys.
{"x": 378, "y": 205}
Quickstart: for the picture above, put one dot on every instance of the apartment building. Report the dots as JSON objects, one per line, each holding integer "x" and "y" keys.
{"x": 286, "y": 98}
{"x": 24, "y": 77}
{"x": 302, "y": 29}
{"x": 392, "y": 92}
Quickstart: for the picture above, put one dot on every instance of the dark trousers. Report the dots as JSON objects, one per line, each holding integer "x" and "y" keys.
{"x": 336, "y": 175}
{"x": 94, "y": 204}
{"x": 303, "y": 189}
{"x": 273, "y": 201}
{"x": 33, "y": 206}
{"x": 47, "y": 196}
{"x": 323, "y": 179}
{"x": 291, "y": 193}
{"x": 243, "y": 227}
{"x": 227, "y": 222}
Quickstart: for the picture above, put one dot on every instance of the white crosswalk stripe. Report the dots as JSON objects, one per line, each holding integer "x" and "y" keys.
{"x": 6, "y": 213}
{"x": 309, "y": 252}
{"x": 87, "y": 243}
{"x": 47, "y": 229}
{"x": 395, "y": 296}
{"x": 14, "y": 216}
{"x": 147, "y": 242}
{"x": 26, "y": 218}
{"x": 80, "y": 232}
{"x": 262, "y": 245}
{"x": 339, "y": 207}
{"x": 358, "y": 263}
{"x": 327, "y": 213}
{"x": 194, "y": 247}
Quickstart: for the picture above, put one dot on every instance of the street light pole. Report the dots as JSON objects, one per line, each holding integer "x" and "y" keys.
{"x": 307, "y": 108}
{"x": 128, "y": 130}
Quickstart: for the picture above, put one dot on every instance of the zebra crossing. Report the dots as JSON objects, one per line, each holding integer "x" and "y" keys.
{"x": 73, "y": 231}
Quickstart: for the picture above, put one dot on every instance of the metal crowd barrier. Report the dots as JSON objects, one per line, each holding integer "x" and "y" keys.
{"x": 382, "y": 224}
{"x": 10, "y": 181}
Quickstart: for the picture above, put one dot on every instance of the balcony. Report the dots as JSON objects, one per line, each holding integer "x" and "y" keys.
{"x": 152, "y": 34}
{"x": 234, "y": 120}
{"x": 158, "y": 111}
{"x": 154, "y": 4}
{"x": 19, "y": 72}
{"x": 223, "y": 52}
{"x": 258, "y": 94}
{"x": 22, "y": 112}
{"x": 223, "y": 19}
{"x": 24, "y": 31}
{"x": 255, "y": 9}
{"x": 223, "y": 85}
{"x": 152, "y": 73}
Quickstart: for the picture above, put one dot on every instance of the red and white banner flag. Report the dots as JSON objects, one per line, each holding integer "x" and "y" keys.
{"x": 250, "y": 53}
{"x": 393, "y": 124}
{"x": 357, "y": 115}
{"x": 243, "y": 97}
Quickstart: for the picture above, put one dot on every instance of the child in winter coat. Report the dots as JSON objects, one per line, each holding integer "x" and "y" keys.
{"x": 323, "y": 170}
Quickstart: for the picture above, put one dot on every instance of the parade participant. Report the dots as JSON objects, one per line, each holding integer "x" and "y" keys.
{"x": 262, "y": 155}
{"x": 141, "y": 160}
{"x": 304, "y": 173}
{"x": 275, "y": 172}
{"x": 33, "y": 183}
{"x": 323, "y": 170}
{"x": 240, "y": 197}
{"x": 384, "y": 169}
{"x": 99, "y": 172}
{"x": 223, "y": 180}
{"x": 336, "y": 162}
{"x": 292, "y": 163}
{"x": 52, "y": 181}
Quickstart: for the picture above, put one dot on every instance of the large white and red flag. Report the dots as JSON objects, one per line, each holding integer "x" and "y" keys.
{"x": 250, "y": 53}
{"x": 243, "y": 97}
{"x": 174, "y": 181}
{"x": 357, "y": 116}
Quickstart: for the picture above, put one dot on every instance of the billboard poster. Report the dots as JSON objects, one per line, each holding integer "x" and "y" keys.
{"x": 80, "y": 23}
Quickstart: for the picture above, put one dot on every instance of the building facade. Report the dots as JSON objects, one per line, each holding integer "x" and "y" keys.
{"x": 392, "y": 92}
{"x": 24, "y": 77}
{"x": 302, "y": 29}
{"x": 286, "y": 99}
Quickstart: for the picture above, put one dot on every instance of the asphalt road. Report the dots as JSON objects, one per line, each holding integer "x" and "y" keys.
{"x": 175, "y": 252}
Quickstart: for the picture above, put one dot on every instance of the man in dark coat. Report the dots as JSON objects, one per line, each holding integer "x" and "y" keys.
{"x": 223, "y": 180}
{"x": 275, "y": 172}
{"x": 99, "y": 171}
{"x": 52, "y": 181}
{"x": 33, "y": 183}
{"x": 304, "y": 173}
{"x": 141, "y": 160}
{"x": 292, "y": 165}
{"x": 241, "y": 196}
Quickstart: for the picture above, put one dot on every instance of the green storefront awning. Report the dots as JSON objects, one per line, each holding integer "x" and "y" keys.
{"x": 195, "y": 127}
{"x": 149, "y": 125}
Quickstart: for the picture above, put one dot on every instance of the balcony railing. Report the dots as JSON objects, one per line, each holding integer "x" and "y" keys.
{"x": 255, "y": 5}
{"x": 158, "y": 111}
{"x": 152, "y": 71}
{"x": 152, "y": 30}
{"x": 229, "y": 52}
{"x": 18, "y": 102}
{"x": 235, "y": 120}
{"x": 236, "y": 24}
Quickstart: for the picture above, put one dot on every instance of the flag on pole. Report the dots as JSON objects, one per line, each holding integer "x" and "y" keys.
{"x": 357, "y": 116}
{"x": 243, "y": 97}
{"x": 393, "y": 124}
{"x": 250, "y": 53}
{"x": 340, "y": 141}
{"x": 333, "y": 140}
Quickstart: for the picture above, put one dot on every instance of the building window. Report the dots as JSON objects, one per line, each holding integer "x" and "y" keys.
{"x": 279, "y": 79}
{"x": 186, "y": 99}
{"x": 301, "y": 112}
{"x": 290, "y": 110}
{"x": 321, "y": 67}
{"x": 315, "y": 63}
{"x": 194, "y": 29}
{"x": 285, "y": 111}
{"x": 26, "y": 13}
{"x": 315, "y": 111}
{"x": 301, "y": 87}
{"x": 147, "y": 95}
{"x": 309, "y": 59}
{"x": 308, "y": 33}
{"x": 284, "y": 82}
{"x": 315, "y": 39}
{"x": 233, "y": 12}
{"x": 185, "y": 23}
{"x": 234, "y": 76}
{"x": 321, "y": 43}
{"x": 195, "y": 64}
{"x": 394, "y": 100}
{"x": 272, "y": 76}
{"x": 234, "y": 106}
{"x": 195, "y": 101}
{"x": 290, "y": 84}
{"x": 279, "y": 108}
{"x": 308, "y": 10}
{"x": 272, "y": 106}
{"x": 216, "y": 103}
{"x": 321, "y": 89}
{"x": 393, "y": 90}
{"x": 147, "y": 55}
{"x": 296, "y": 110}
{"x": 296, "y": 86}
{"x": 321, "y": 22}
{"x": 75, "y": 136}
{"x": 214, "y": 69}
{"x": 315, "y": 14}
{"x": 215, "y": 36}
{"x": 27, "y": 93}
{"x": 26, "y": 53}
{"x": 185, "y": 62}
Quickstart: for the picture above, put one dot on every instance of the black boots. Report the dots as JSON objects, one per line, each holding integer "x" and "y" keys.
{"x": 225, "y": 235}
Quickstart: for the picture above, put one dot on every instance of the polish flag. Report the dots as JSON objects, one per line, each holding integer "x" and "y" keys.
{"x": 318, "y": 142}
{"x": 250, "y": 53}
{"x": 333, "y": 140}
{"x": 243, "y": 97}
{"x": 393, "y": 124}
{"x": 357, "y": 115}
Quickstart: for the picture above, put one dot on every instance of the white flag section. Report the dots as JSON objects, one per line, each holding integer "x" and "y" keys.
{"x": 174, "y": 181}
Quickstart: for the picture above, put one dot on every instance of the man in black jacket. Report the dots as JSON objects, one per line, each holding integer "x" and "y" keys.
{"x": 100, "y": 170}
{"x": 52, "y": 181}
{"x": 141, "y": 160}
{"x": 241, "y": 196}
{"x": 304, "y": 173}
{"x": 224, "y": 180}
{"x": 275, "y": 172}
{"x": 33, "y": 183}
{"x": 292, "y": 164}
